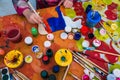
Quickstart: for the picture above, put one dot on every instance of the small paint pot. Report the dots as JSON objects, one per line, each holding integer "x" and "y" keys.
{"x": 116, "y": 72}
{"x": 77, "y": 36}
{"x": 44, "y": 74}
{"x": 50, "y": 36}
{"x": 63, "y": 35}
{"x": 111, "y": 77}
{"x": 47, "y": 44}
{"x": 96, "y": 43}
{"x": 49, "y": 52}
{"x": 35, "y": 49}
{"x": 52, "y": 77}
{"x": 2, "y": 52}
{"x": 4, "y": 71}
{"x": 85, "y": 44}
{"x": 56, "y": 68}
{"x": 102, "y": 31}
{"x": 90, "y": 35}
{"x": 28, "y": 59}
{"x": 45, "y": 59}
{"x": 28, "y": 40}
{"x": 85, "y": 77}
{"x": 13, "y": 34}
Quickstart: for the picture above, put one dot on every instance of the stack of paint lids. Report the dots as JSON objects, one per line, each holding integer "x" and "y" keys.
{"x": 4, "y": 72}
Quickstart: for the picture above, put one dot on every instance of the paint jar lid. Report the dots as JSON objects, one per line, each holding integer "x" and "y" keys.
{"x": 85, "y": 43}
{"x": 52, "y": 77}
{"x": 49, "y": 52}
{"x": 4, "y": 71}
{"x": 28, "y": 40}
{"x": 5, "y": 77}
{"x": 90, "y": 35}
{"x": 45, "y": 59}
{"x": 111, "y": 77}
{"x": 47, "y": 44}
{"x": 116, "y": 72}
{"x": 63, "y": 35}
{"x": 44, "y": 74}
{"x": 77, "y": 36}
{"x": 28, "y": 59}
{"x": 102, "y": 31}
{"x": 50, "y": 36}
{"x": 35, "y": 48}
{"x": 85, "y": 77}
{"x": 96, "y": 42}
{"x": 56, "y": 68}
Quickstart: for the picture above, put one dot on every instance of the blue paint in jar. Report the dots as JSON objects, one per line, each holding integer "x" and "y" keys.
{"x": 93, "y": 17}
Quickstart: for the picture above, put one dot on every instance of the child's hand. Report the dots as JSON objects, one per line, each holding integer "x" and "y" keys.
{"x": 68, "y": 4}
{"x": 32, "y": 17}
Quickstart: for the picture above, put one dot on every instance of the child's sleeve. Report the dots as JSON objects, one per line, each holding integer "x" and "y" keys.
{"x": 20, "y": 6}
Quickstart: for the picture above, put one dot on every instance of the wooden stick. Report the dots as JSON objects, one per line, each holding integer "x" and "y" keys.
{"x": 66, "y": 72}
{"x": 32, "y": 8}
{"x": 74, "y": 76}
{"x": 60, "y": 2}
{"x": 105, "y": 52}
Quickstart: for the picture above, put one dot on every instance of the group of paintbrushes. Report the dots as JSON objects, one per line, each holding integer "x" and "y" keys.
{"x": 19, "y": 76}
{"x": 86, "y": 63}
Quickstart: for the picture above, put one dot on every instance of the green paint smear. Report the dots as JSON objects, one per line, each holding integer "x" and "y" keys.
{"x": 108, "y": 2}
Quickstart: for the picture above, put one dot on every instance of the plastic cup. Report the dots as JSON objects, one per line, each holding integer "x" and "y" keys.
{"x": 13, "y": 34}
{"x": 93, "y": 17}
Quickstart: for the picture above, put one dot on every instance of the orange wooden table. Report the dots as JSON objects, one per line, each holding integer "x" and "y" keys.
{"x": 33, "y": 69}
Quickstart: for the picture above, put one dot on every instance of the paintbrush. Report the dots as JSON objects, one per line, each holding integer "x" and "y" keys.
{"x": 22, "y": 76}
{"x": 66, "y": 72}
{"x": 74, "y": 76}
{"x": 35, "y": 12}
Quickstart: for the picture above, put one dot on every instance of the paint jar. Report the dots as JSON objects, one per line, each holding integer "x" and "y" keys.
{"x": 49, "y": 53}
{"x": 93, "y": 17}
{"x": 44, "y": 74}
{"x": 45, "y": 59}
{"x": 52, "y": 77}
{"x": 13, "y": 34}
{"x": 34, "y": 31}
{"x": 77, "y": 35}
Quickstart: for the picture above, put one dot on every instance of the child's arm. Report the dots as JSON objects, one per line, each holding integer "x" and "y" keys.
{"x": 20, "y": 6}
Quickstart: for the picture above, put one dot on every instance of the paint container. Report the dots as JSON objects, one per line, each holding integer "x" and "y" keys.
{"x": 56, "y": 69}
{"x": 89, "y": 8}
{"x": 90, "y": 35}
{"x": 52, "y": 77}
{"x": 93, "y": 17}
{"x": 5, "y": 73}
{"x": 45, "y": 59}
{"x": 13, "y": 34}
{"x": 50, "y": 36}
{"x": 116, "y": 72}
{"x": 49, "y": 52}
{"x": 111, "y": 77}
{"x": 96, "y": 43}
{"x": 85, "y": 44}
{"x": 28, "y": 59}
{"x": 44, "y": 74}
{"x": 34, "y": 31}
{"x": 28, "y": 40}
{"x": 47, "y": 44}
{"x": 77, "y": 36}
{"x": 85, "y": 77}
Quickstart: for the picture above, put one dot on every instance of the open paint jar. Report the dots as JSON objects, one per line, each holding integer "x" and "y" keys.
{"x": 13, "y": 34}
